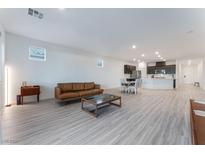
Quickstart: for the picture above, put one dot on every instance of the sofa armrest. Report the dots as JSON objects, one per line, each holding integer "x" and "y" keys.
{"x": 97, "y": 86}
{"x": 57, "y": 92}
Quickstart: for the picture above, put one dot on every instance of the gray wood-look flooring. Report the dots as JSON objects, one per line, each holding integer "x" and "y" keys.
{"x": 150, "y": 117}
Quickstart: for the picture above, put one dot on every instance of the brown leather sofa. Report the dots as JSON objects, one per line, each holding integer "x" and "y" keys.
{"x": 72, "y": 91}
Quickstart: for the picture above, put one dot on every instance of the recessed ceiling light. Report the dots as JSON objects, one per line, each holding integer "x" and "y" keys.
{"x": 156, "y": 52}
{"x": 61, "y": 8}
{"x": 143, "y": 55}
{"x": 164, "y": 59}
{"x": 134, "y": 46}
{"x": 159, "y": 56}
{"x": 134, "y": 59}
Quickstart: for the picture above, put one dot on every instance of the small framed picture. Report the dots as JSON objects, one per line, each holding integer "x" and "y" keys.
{"x": 37, "y": 53}
{"x": 100, "y": 63}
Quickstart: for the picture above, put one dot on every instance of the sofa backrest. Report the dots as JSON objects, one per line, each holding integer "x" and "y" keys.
{"x": 65, "y": 87}
{"x": 78, "y": 86}
{"x": 68, "y": 87}
{"x": 89, "y": 85}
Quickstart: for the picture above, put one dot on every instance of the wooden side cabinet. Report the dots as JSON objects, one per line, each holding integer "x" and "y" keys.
{"x": 30, "y": 91}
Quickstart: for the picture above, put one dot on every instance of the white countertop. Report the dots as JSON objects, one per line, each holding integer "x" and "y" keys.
{"x": 157, "y": 83}
{"x": 159, "y": 78}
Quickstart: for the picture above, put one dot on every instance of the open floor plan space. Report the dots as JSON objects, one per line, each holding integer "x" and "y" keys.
{"x": 102, "y": 76}
{"x": 150, "y": 117}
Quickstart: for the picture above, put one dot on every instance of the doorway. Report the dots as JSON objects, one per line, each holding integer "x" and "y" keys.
{"x": 188, "y": 74}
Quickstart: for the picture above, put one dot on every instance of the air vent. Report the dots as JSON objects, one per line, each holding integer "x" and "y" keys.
{"x": 35, "y": 13}
{"x": 190, "y": 31}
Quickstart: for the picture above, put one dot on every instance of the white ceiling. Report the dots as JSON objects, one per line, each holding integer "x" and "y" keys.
{"x": 175, "y": 33}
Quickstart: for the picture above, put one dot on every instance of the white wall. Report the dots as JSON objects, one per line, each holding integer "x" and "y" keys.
{"x": 203, "y": 74}
{"x": 143, "y": 67}
{"x": 171, "y": 62}
{"x": 2, "y": 58}
{"x": 62, "y": 65}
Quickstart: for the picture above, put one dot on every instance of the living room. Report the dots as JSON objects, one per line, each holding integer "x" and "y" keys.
{"x": 73, "y": 56}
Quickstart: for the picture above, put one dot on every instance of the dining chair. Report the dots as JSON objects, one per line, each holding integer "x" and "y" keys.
{"x": 124, "y": 85}
{"x": 133, "y": 86}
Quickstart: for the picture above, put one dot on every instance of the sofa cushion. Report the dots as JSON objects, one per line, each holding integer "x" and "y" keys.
{"x": 69, "y": 95}
{"x": 85, "y": 93}
{"x": 78, "y": 86}
{"x": 89, "y": 85}
{"x": 97, "y": 91}
{"x": 65, "y": 87}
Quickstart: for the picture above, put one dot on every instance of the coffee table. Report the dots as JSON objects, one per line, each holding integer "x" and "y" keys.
{"x": 98, "y": 102}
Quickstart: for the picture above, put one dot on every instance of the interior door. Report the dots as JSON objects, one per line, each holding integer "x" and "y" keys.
{"x": 188, "y": 74}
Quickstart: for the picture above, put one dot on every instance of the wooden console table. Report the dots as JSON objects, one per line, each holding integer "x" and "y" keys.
{"x": 197, "y": 121}
{"x": 30, "y": 91}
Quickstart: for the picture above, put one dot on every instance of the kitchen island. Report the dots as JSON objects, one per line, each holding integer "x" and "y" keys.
{"x": 158, "y": 83}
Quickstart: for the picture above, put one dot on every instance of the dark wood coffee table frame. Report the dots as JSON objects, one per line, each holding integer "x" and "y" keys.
{"x": 94, "y": 112}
